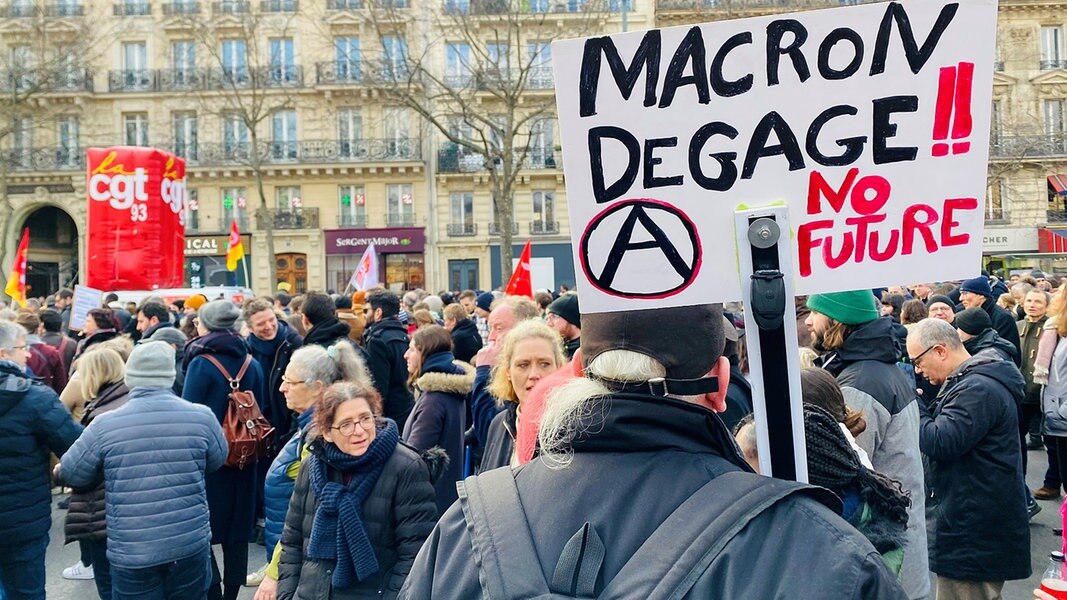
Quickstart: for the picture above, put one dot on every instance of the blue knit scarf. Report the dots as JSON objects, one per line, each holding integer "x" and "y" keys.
{"x": 338, "y": 533}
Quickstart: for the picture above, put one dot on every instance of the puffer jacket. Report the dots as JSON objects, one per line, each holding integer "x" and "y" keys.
{"x": 278, "y": 485}
{"x": 990, "y": 341}
{"x": 86, "y": 517}
{"x": 154, "y": 453}
{"x": 971, "y": 436}
{"x": 32, "y": 424}
{"x": 398, "y": 515}
{"x": 1054, "y": 397}
{"x": 617, "y": 484}
{"x": 866, "y": 368}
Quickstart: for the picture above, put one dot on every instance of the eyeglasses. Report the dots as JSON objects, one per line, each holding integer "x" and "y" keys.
{"x": 915, "y": 361}
{"x": 22, "y": 347}
{"x": 288, "y": 381}
{"x": 367, "y": 423}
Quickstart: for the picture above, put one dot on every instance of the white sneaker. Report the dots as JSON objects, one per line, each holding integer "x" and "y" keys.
{"x": 256, "y": 578}
{"x": 78, "y": 571}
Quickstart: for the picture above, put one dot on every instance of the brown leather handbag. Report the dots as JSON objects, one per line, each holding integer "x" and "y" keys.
{"x": 248, "y": 432}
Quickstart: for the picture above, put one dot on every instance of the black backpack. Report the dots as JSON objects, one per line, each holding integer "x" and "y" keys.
{"x": 666, "y": 566}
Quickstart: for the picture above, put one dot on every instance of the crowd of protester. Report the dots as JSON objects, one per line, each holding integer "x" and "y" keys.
{"x": 920, "y": 404}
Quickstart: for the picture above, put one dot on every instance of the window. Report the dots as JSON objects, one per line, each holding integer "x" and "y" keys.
{"x": 461, "y": 221}
{"x": 457, "y": 65}
{"x": 135, "y": 66}
{"x": 350, "y": 132}
{"x": 544, "y": 212}
{"x": 494, "y": 224}
{"x": 234, "y": 62}
{"x": 68, "y": 132}
{"x": 396, "y": 132}
{"x": 183, "y": 62}
{"x": 283, "y": 130}
{"x": 352, "y": 208}
{"x": 234, "y": 137}
{"x": 234, "y": 207}
{"x": 22, "y": 66}
{"x": 401, "y": 204}
{"x": 394, "y": 57}
{"x": 348, "y": 56}
{"x": 185, "y": 135}
{"x": 282, "y": 61}
{"x": 69, "y": 74}
{"x": 22, "y": 141}
{"x": 1056, "y": 122}
{"x": 136, "y": 125}
{"x": 539, "y": 55}
{"x": 1052, "y": 48}
{"x": 21, "y": 8}
{"x": 287, "y": 197}
{"x": 996, "y": 124}
{"x": 192, "y": 210}
{"x": 542, "y": 145}
{"x": 994, "y": 202}
{"x": 499, "y": 58}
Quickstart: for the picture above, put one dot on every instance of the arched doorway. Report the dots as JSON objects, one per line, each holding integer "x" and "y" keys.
{"x": 293, "y": 269}
{"x": 52, "y": 262}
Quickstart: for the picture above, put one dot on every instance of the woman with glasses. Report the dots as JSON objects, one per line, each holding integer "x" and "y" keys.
{"x": 439, "y": 417}
{"x": 311, "y": 370}
{"x": 362, "y": 506}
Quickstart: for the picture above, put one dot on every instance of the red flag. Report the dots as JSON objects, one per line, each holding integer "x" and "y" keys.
{"x": 521, "y": 283}
{"x": 16, "y": 281}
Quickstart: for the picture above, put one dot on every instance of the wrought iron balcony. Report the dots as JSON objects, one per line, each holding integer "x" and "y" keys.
{"x": 300, "y": 152}
{"x": 231, "y": 7}
{"x": 400, "y": 219}
{"x": 132, "y": 80}
{"x": 344, "y": 4}
{"x": 495, "y": 228}
{"x": 757, "y": 6}
{"x": 348, "y": 220}
{"x": 544, "y": 227}
{"x": 44, "y": 159}
{"x": 1027, "y": 146}
{"x": 132, "y": 8}
{"x": 540, "y": 159}
{"x": 153, "y": 80}
{"x": 537, "y": 78}
{"x": 462, "y": 229}
{"x": 71, "y": 79}
{"x": 338, "y": 71}
{"x": 1056, "y": 216}
{"x": 19, "y": 11}
{"x": 186, "y": 7}
{"x": 453, "y": 159}
{"x": 500, "y": 7}
{"x": 1052, "y": 64}
{"x": 64, "y": 9}
{"x": 178, "y": 80}
{"x": 278, "y": 6}
{"x": 294, "y": 218}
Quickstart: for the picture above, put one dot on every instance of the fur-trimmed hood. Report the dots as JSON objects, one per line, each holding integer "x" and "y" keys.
{"x": 448, "y": 382}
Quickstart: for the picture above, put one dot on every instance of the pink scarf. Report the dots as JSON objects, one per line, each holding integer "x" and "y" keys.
{"x": 1046, "y": 347}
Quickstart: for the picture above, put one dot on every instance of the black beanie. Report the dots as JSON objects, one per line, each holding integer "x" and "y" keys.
{"x": 566, "y": 307}
{"x": 940, "y": 298}
{"x": 973, "y": 321}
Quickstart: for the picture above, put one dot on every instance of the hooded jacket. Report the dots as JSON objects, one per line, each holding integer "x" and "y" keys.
{"x": 1005, "y": 325}
{"x": 273, "y": 357}
{"x": 386, "y": 341}
{"x": 327, "y": 333}
{"x": 866, "y": 368}
{"x": 466, "y": 341}
{"x": 32, "y": 423}
{"x": 439, "y": 418}
{"x": 990, "y": 342}
{"x": 280, "y": 479}
{"x": 1054, "y": 397}
{"x": 630, "y": 469}
{"x": 1029, "y": 336}
{"x": 971, "y": 436}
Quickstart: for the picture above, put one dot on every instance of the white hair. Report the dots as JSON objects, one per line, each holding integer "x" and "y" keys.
{"x": 338, "y": 363}
{"x": 932, "y": 332}
{"x": 10, "y": 334}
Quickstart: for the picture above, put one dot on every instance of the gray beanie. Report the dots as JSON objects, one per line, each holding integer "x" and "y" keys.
{"x": 219, "y": 315}
{"x": 169, "y": 335}
{"x": 150, "y": 365}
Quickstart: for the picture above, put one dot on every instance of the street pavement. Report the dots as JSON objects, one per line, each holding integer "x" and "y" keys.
{"x": 1042, "y": 541}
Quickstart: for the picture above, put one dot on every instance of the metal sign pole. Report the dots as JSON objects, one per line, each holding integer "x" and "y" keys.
{"x": 765, "y": 265}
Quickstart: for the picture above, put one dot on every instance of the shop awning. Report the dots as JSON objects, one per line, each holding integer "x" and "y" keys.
{"x": 1050, "y": 239}
{"x": 1058, "y": 183}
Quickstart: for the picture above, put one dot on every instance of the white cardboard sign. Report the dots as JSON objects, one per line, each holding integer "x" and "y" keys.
{"x": 85, "y": 299}
{"x": 870, "y": 123}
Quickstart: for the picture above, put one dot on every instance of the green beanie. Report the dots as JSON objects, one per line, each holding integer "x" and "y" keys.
{"x": 851, "y": 308}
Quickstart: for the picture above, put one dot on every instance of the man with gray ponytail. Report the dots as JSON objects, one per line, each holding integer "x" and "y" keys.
{"x": 658, "y": 501}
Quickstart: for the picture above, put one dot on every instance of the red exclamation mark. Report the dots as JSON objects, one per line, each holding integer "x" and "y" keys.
{"x": 946, "y": 91}
{"x": 961, "y": 121}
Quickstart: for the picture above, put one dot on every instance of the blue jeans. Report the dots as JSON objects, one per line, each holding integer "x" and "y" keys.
{"x": 22, "y": 569}
{"x": 183, "y": 579}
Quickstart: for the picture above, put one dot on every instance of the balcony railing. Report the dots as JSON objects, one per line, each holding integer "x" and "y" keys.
{"x": 231, "y": 7}
{"x": 18, "y": 11}
{"x": 462, "y": 229}
{"x": 1056, "y": 216}
{"x": 294, "y": 218}
{"x": 133, "y": 80}
{"x": 301, "y": 152}
{"x": 133, "y": 9}
{"x": 278, "y": 6}
{"x": 58, "y": 80}
{"x": 495, "y": 228}
{"x": 346, "y": 220}
{"x": 762, "y": 6}
{"x": 166, "y": 80}
{"x": 344, "y": 4}
{"x": 1028, "y": 146}
{"x": 544, "y": 227}
{"x": 331, "y": 72}
{"x": 400, "y": 219}
{"x": 537, "y": 78}
{"x": 64, "y": 9}
{"x": 44, "y": 159}
{"x": 1051, "y": 65}
{"x": 500, "y": 7}
{"x": 189, "y": 7}
{"x": 455, "y": 160}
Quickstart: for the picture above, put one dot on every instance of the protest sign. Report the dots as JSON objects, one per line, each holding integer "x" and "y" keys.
{"x": 868, "y": 122}
{"x": 85, "y": 299}
{"x": 136, "y": 219}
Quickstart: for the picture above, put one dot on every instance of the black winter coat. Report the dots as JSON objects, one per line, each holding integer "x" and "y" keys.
{"x": 1005, "y": 325}
{"x": 634, "y": 462}
{"x": 33, "y": 423}
{"x": 466, "y": 341}
{"x": 500, "y": 442}
{"x": 971, "y": 436}
{"x": 398, "y": 515}
{"x": 86, "y": 517}
{"x": 989, "y": 340}
{"x": 386, "y": 341}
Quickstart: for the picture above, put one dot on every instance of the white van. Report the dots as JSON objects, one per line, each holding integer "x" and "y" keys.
{"x": 235, "y": 294}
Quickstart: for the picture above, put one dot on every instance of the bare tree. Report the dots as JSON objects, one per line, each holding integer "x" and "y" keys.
{"x": 481, "y": 78}
{"x": 249, "y": 75}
